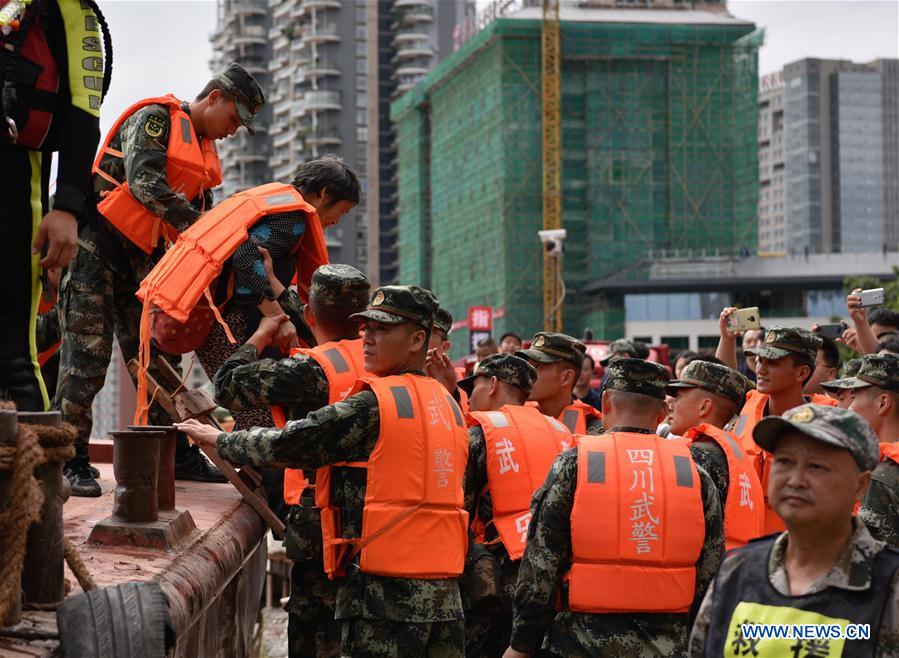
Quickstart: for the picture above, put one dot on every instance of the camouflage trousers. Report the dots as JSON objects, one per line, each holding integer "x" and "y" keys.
{"x": 96, "y": 303}
{"x": 383, "y": 638}
{"x": 312, "y": 630}
{"x": 489, "y": 586}
{"x": 488, "y": 631}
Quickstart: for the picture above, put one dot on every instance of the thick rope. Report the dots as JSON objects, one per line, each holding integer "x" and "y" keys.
{"x": 36, "y": 445}
{"x": 78, "y": 567}
{"x": 23, "y": 508}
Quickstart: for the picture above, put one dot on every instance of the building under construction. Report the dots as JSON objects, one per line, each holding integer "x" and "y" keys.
{"x": 658, "y": 156}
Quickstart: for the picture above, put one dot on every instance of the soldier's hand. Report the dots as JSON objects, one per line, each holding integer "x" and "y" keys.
{"x": 203, "y": 435}
{"x": 59, "y": 231}
{"x": 722, "y": 322}
{"x": 440, "y": 367}
{"x": 268, "y": 328}
{"x": 285, "y": 337}
{"x": 511, "y": 653}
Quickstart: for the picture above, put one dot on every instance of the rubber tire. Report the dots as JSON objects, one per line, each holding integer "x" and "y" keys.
{"x": 125, "y": 621}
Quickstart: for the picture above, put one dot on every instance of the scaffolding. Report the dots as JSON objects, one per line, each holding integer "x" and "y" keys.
{"x": 658, "y": 152}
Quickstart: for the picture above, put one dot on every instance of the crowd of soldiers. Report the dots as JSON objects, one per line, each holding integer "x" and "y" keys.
{"x": 510, "y": 512}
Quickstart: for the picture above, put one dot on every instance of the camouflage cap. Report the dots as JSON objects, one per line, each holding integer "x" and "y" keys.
{"x": 247, "y": 93}
{"x": 398, "y": 304}
{"x": 847, "y": 376}
{"x": 831, "y": 425}
{"x": 507, "y": 368}
{"x": 443, "y": 320}
{"x": 714, "y": 378}
{"x": 881, "y": 370}
{"x": 637, "y": 376}
{"x": 783, "y": 341}
{"x": 548, "y": 347}
{"x": 340, "y": 286}
{"x": 618, "y": 349}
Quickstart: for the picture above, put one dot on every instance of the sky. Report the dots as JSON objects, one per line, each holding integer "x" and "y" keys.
{"x": 163, "y": 46}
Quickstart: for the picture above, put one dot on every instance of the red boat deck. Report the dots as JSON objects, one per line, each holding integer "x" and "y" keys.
{"x": 213, "y": 579}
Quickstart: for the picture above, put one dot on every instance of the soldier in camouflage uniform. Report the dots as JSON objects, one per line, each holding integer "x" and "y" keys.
{"x": 443, "y": 325}
{"x": 874, "y": 394}
{"x": 707, "y": 393}
{"x": 823, "y": 459}
{"x": 97, "y": 300}
{"x": 841, "y": 389}
{"x": 490, "y": 574}
{"x": 299, "y": 385}
{"x": 548, "y": 555}
{"x": 381, "y": 616}
{"x": 558, "y": 359}
{"x": 619, "y": 349}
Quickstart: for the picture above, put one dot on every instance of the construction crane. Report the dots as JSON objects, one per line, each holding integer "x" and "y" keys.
{"x": 553, "y": 286}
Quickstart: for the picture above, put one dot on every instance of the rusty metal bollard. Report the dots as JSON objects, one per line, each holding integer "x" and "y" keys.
{"x": 143, "y": 512}
{"x": 135, "y": 463}
{"x": 165, "y": 481}
{"x": 43, "y": 575}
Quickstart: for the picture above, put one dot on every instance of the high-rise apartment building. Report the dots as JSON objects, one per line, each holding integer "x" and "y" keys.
{"x": 842, "y": 150}
{"x": 241, "y": 35}
{"x": 772, "y": 193}
{"x": 330, "y": 69}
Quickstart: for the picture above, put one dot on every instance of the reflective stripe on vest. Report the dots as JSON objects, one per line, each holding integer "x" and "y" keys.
{"x": 637, "y": 525}
{"x": 521, "y": 444}
{"x": 744, "y": 509}
{"x": 192, "y": 166}
{"x": 413, "y": 523}
{"x": 575, "y": 416}
{"x": 343, "y": 363}
{"x": 753, "y": 411}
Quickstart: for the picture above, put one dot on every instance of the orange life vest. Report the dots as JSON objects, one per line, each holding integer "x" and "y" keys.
{"x": 637, "y": 525}
{"x": 185, "y": 272}
{"x": 744, "y": 509}
{"x": 192, "y": 166}
{"x": 343, "y": 363}
{"x": 521, "y": 446}
{"x": 826, "y": 400}
{"x": 889, "y": 451}
{"x": 753, "y": 411}
{"x": 414, "y": 524}
{"x": 576, "y": 415}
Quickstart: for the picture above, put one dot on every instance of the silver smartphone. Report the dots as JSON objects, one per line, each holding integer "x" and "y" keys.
{"x": 744, "y": 319}
{"x": 873, "y": 297}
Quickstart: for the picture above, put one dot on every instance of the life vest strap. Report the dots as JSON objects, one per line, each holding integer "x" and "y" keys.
{"x": 359, "y": 543}
{"x": 142, "y": 407}
{"x": 218, "y": 316}
{"x": 102, "y": 174}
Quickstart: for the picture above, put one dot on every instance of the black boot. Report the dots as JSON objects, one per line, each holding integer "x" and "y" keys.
{"x": 190, "y": 464}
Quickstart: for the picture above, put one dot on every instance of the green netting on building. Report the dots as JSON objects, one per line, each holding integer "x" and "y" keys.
{"x": 659, "y": 156}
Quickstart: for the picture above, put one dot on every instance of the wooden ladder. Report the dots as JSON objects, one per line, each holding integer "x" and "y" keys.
{"x": 184, "y": 404}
